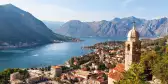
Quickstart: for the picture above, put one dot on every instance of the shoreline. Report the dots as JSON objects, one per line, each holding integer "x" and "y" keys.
{"x": 25, "y": 45}
{"x": 92, "y": 48}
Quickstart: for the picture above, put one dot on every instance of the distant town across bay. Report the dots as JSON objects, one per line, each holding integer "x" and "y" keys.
{"x": 51, "y": 54}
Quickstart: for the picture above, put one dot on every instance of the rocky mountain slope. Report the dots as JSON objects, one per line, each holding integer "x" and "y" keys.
{"x": 117, "y": 27}
{"x": 53, "y": 25}
{"x": 18, "y": 26}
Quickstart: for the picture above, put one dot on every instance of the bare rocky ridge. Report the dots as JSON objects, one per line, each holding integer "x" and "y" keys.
{"x": 117, "y": 27}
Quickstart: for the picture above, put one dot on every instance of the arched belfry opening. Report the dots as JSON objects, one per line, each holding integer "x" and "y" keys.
{"x": 128, "y": 47}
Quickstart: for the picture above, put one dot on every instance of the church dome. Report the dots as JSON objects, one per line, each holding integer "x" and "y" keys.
{"x": 133, "y": 34}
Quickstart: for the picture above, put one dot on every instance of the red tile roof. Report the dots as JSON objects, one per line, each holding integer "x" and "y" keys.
{"x": 100, "y": 80}
{"x": 75, "y": 63}
{"x": 116, "y": 73}
{"x": 119, "y": 68}
{"x": 56, "y": 67}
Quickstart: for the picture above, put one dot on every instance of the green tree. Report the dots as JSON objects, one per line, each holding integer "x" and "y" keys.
{"x": 5, "y": 75}
{"x": 102, "y": 67}
{"x": 162, "y": 42}
{"x": 160, "y": 69}
{"x": 135, "y": 75}
{"x": 148, "y": 59}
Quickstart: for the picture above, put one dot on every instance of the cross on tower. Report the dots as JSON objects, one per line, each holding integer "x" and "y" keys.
{"x": 133, "y": 24}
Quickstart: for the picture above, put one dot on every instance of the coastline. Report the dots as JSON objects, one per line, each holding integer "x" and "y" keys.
{"x": 7, "y": 46}
{"x": 96, "y": 63}
{"x": 92, "y": 48}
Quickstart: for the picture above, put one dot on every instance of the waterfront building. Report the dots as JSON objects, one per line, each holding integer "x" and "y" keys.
{"x": 56, "y": 71}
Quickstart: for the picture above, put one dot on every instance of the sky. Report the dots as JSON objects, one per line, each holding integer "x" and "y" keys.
{"x": 91, "y": 10}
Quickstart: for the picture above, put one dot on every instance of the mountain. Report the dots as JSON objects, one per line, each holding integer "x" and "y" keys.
{"x": 76, "y": 28}
{"x": 18, "y": 26}
{"x": 118, "y": 27}
{"x": 53, "y": 25}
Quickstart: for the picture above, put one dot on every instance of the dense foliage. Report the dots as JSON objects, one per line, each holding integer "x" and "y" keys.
{"x": 135, "y": 75}
{"x": 154, "y": 61}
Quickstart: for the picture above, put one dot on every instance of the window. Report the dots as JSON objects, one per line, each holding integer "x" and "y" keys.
{"x": 128, "y": 47}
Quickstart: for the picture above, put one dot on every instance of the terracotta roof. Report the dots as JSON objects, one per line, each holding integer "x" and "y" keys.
{"x": 56, "y": 67}
{"x": 116, "y": 73}
{"x": 119, "y": 68}
{"x": 75, "y": 63}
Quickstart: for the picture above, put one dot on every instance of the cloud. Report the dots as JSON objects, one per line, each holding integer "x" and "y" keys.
{"x": 53, "y": 12}
{"x": 4, "y": 2}
{"x": 125, "y": 3}
{"x": 41, "y": 10}
{"x": 56, "y": 12}
{"x": 9, "y": 1}
{"x": 49, "y": 12}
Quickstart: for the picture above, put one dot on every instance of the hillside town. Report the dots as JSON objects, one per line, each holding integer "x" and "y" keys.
{"x": 105, "y": 65}
{"x": 83, "y": 42}
{"x": 92, "y": 67}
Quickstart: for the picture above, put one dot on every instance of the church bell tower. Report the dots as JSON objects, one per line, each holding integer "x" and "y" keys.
{"x": 132, "y": 48}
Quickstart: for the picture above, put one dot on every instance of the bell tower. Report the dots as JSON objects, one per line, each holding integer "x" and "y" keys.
{"x": 132, "y": 48}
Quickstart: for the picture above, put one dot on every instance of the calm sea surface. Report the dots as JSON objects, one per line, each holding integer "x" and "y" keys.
{"x": 51, "y": 54}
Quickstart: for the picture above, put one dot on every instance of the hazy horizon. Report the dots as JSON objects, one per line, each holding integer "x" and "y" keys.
{"x": 86, "y": 11}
